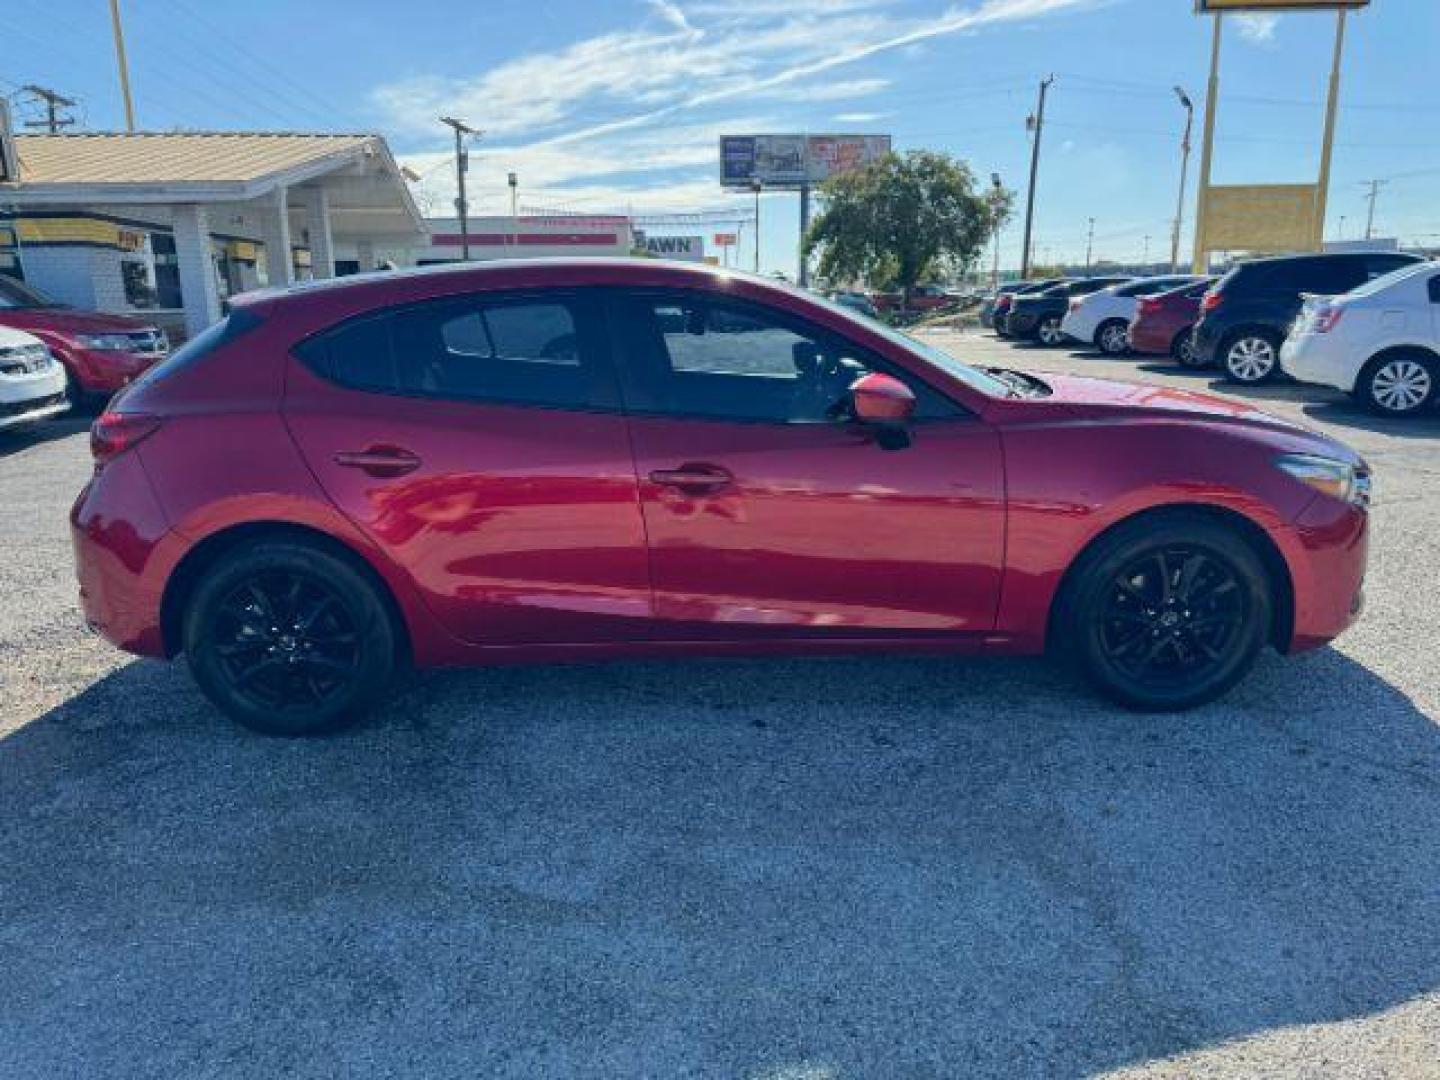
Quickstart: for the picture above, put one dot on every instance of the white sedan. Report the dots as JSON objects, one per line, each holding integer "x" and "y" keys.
{"x": 1380, "y": 342}
{"x": 32, "y": 382}
{"x": 1103, "y": 318}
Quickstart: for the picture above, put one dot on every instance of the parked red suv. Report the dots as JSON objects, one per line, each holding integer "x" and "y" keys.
{"x": 1163, "y": 323}
{"x": 100, "y": 352}
{"x": 558, "y": 460}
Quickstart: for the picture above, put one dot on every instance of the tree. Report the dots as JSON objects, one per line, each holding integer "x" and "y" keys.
{"x": 900, "y": 219}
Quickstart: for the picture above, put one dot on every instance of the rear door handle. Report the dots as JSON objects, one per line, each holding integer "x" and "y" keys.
{"x": 692, "y": 478}
{"x": 379, "y": 460}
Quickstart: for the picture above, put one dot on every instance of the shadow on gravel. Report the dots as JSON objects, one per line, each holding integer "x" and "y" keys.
{"x": 902, "y": 867}
{"x": 13, "y": 440}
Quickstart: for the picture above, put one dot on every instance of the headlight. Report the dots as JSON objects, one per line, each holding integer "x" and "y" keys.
{"x": 109, "y": 342}
{"x": 1338, "y": 479}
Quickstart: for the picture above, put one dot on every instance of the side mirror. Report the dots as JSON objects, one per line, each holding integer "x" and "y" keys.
{"x": 882, "y": 400}
{"x": 886, "y": 404}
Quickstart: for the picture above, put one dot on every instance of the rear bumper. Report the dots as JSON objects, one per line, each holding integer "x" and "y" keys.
{"x": 1079, "y": 327}
{"x": 1021, "y": 323}
{"x": 1152, "y": 337}
{"x": 124, "y": 552}
{"x": 1323, "y": 359}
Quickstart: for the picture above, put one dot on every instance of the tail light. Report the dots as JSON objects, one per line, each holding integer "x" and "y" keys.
{"x": 1210, "y": 301}
{"x": 113, "y": 433}
{"x": 1074, "y": 305}
{"x": 1325, "y": 319}
{"x": 1148, "y": 306}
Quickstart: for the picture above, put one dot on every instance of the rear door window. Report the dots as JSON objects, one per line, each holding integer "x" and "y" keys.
{"x": 521, "y": 350}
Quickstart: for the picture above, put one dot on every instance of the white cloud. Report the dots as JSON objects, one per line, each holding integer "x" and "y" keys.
{"x": 603, "y": 117}
{"x": 1257, "y": 29}
{"x": 861, "y": 117}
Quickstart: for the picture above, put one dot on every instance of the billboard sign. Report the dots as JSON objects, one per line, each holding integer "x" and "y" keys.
{"x": 726, "y": 239}
{"x": 792, "y": 161}
{"x": 684, "y": 248}
{"x": 1270, "y": 218}
{"x": 1216, "y": 7}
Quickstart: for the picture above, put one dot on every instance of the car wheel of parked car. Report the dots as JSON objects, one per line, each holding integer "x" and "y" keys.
{"x": 1400, "y": 383}
{"x": 1250, "y": 357}
{"x": 1167, "y": 612}
{"x": 288, "y": 639}
{"x": 1113, "y": 337}
{"x": 1183, "y": 349}
{"x": 1049, "y": 332}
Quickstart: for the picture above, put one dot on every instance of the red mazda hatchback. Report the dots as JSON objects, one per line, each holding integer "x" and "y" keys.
{"x": 556, "y": 460}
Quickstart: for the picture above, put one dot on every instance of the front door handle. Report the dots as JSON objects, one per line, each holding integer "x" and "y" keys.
{"x": 379, "y": 460}
{"x": 693, "y": 479}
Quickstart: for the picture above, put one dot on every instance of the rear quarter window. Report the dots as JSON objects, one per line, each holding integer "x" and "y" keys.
{"x": 239, "y": 322}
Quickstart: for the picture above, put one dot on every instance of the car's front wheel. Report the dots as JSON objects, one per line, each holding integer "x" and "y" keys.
{"x": 1048, "y": 333}
{"x": 288, "y": 638}
{"x": 1251, "y": 357}
{"x": 1398, "y": 384}
{"x": 1166, "y": 613}
{"x": 1113, "y": 337}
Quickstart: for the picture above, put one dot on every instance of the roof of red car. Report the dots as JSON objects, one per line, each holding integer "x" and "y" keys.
{"x": 501, "y": 272}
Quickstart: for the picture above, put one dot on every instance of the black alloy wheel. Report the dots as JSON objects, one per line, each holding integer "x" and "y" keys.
{"x": 289, "y": 639}
{"x": 1171, "y": 619}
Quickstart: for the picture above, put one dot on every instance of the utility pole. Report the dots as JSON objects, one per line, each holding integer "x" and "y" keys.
{"x": 54, "y": 102}
{"x": 1089, "y": 244}
{"x": 124, "y": 65}
{"x": 1037, "y": 124}
{"x": 1184, "y": 171}
{"x": 756, "y": 186}
{"x": 1375, "y": 186}
{"x": 462, "y": 166}
{"x": 1145, "y": 259}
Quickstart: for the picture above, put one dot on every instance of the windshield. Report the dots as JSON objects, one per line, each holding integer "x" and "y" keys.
{"x": 14, "y": 294}
{"x": 1384, "y": 281}
{"x": 970, "y": 376}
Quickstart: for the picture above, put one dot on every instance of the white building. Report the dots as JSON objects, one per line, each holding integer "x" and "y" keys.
{"x": 168, "y": 225}
{"x": 524, "y": 237}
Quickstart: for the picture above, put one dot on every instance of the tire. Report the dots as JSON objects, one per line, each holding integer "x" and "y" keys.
{"x": 1250, "y": 357}
{"x": 1183, "y": 349}
{"x": 1112, "y": 337}
{"x": 286, "y": 638}
{"x": 1156, "y": 648}
{"x": 1400, "y": 383}
{"x": 1048, "y": 332}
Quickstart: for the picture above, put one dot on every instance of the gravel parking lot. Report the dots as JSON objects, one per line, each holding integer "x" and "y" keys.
{"x": 908, "y": 867}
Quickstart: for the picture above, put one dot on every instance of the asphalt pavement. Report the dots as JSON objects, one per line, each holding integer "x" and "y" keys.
{"x": 795, "y": 869}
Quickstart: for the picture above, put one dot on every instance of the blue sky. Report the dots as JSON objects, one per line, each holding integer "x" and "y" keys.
{"x": 604, "y": 105}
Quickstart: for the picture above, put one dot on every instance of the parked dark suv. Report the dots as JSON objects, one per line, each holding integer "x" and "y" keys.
{"x": 1245, "y": 317}
{"x": 1038, "y": 315}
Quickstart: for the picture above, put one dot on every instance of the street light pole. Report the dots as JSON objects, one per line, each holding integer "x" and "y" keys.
{"x": 1184, "y": 171}
{"x": 1089, "y": 244}
{"x": 514, "y": 212}
{"x": 1038, "y": 123}
{"x": 996, "y": 188}
{"x": 756, "y": 186}
{"x": 462, "y": 166}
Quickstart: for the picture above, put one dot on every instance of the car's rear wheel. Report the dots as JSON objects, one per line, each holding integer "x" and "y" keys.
{"x": 1251, "y": 357}
{"x": 1048, "y": 333}
{"x": 1183, "y": 349}
{"x": 288, "y": 639}
{"x": 1113, "y": 337}
{"x": 1401, "y": 383}
{"x": 1166, "y": 613}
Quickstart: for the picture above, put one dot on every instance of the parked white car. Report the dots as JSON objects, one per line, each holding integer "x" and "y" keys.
{"x": 1103, "y": 318}
{"x": 1380, "y": 342}
{"x": 32, "y": 382}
